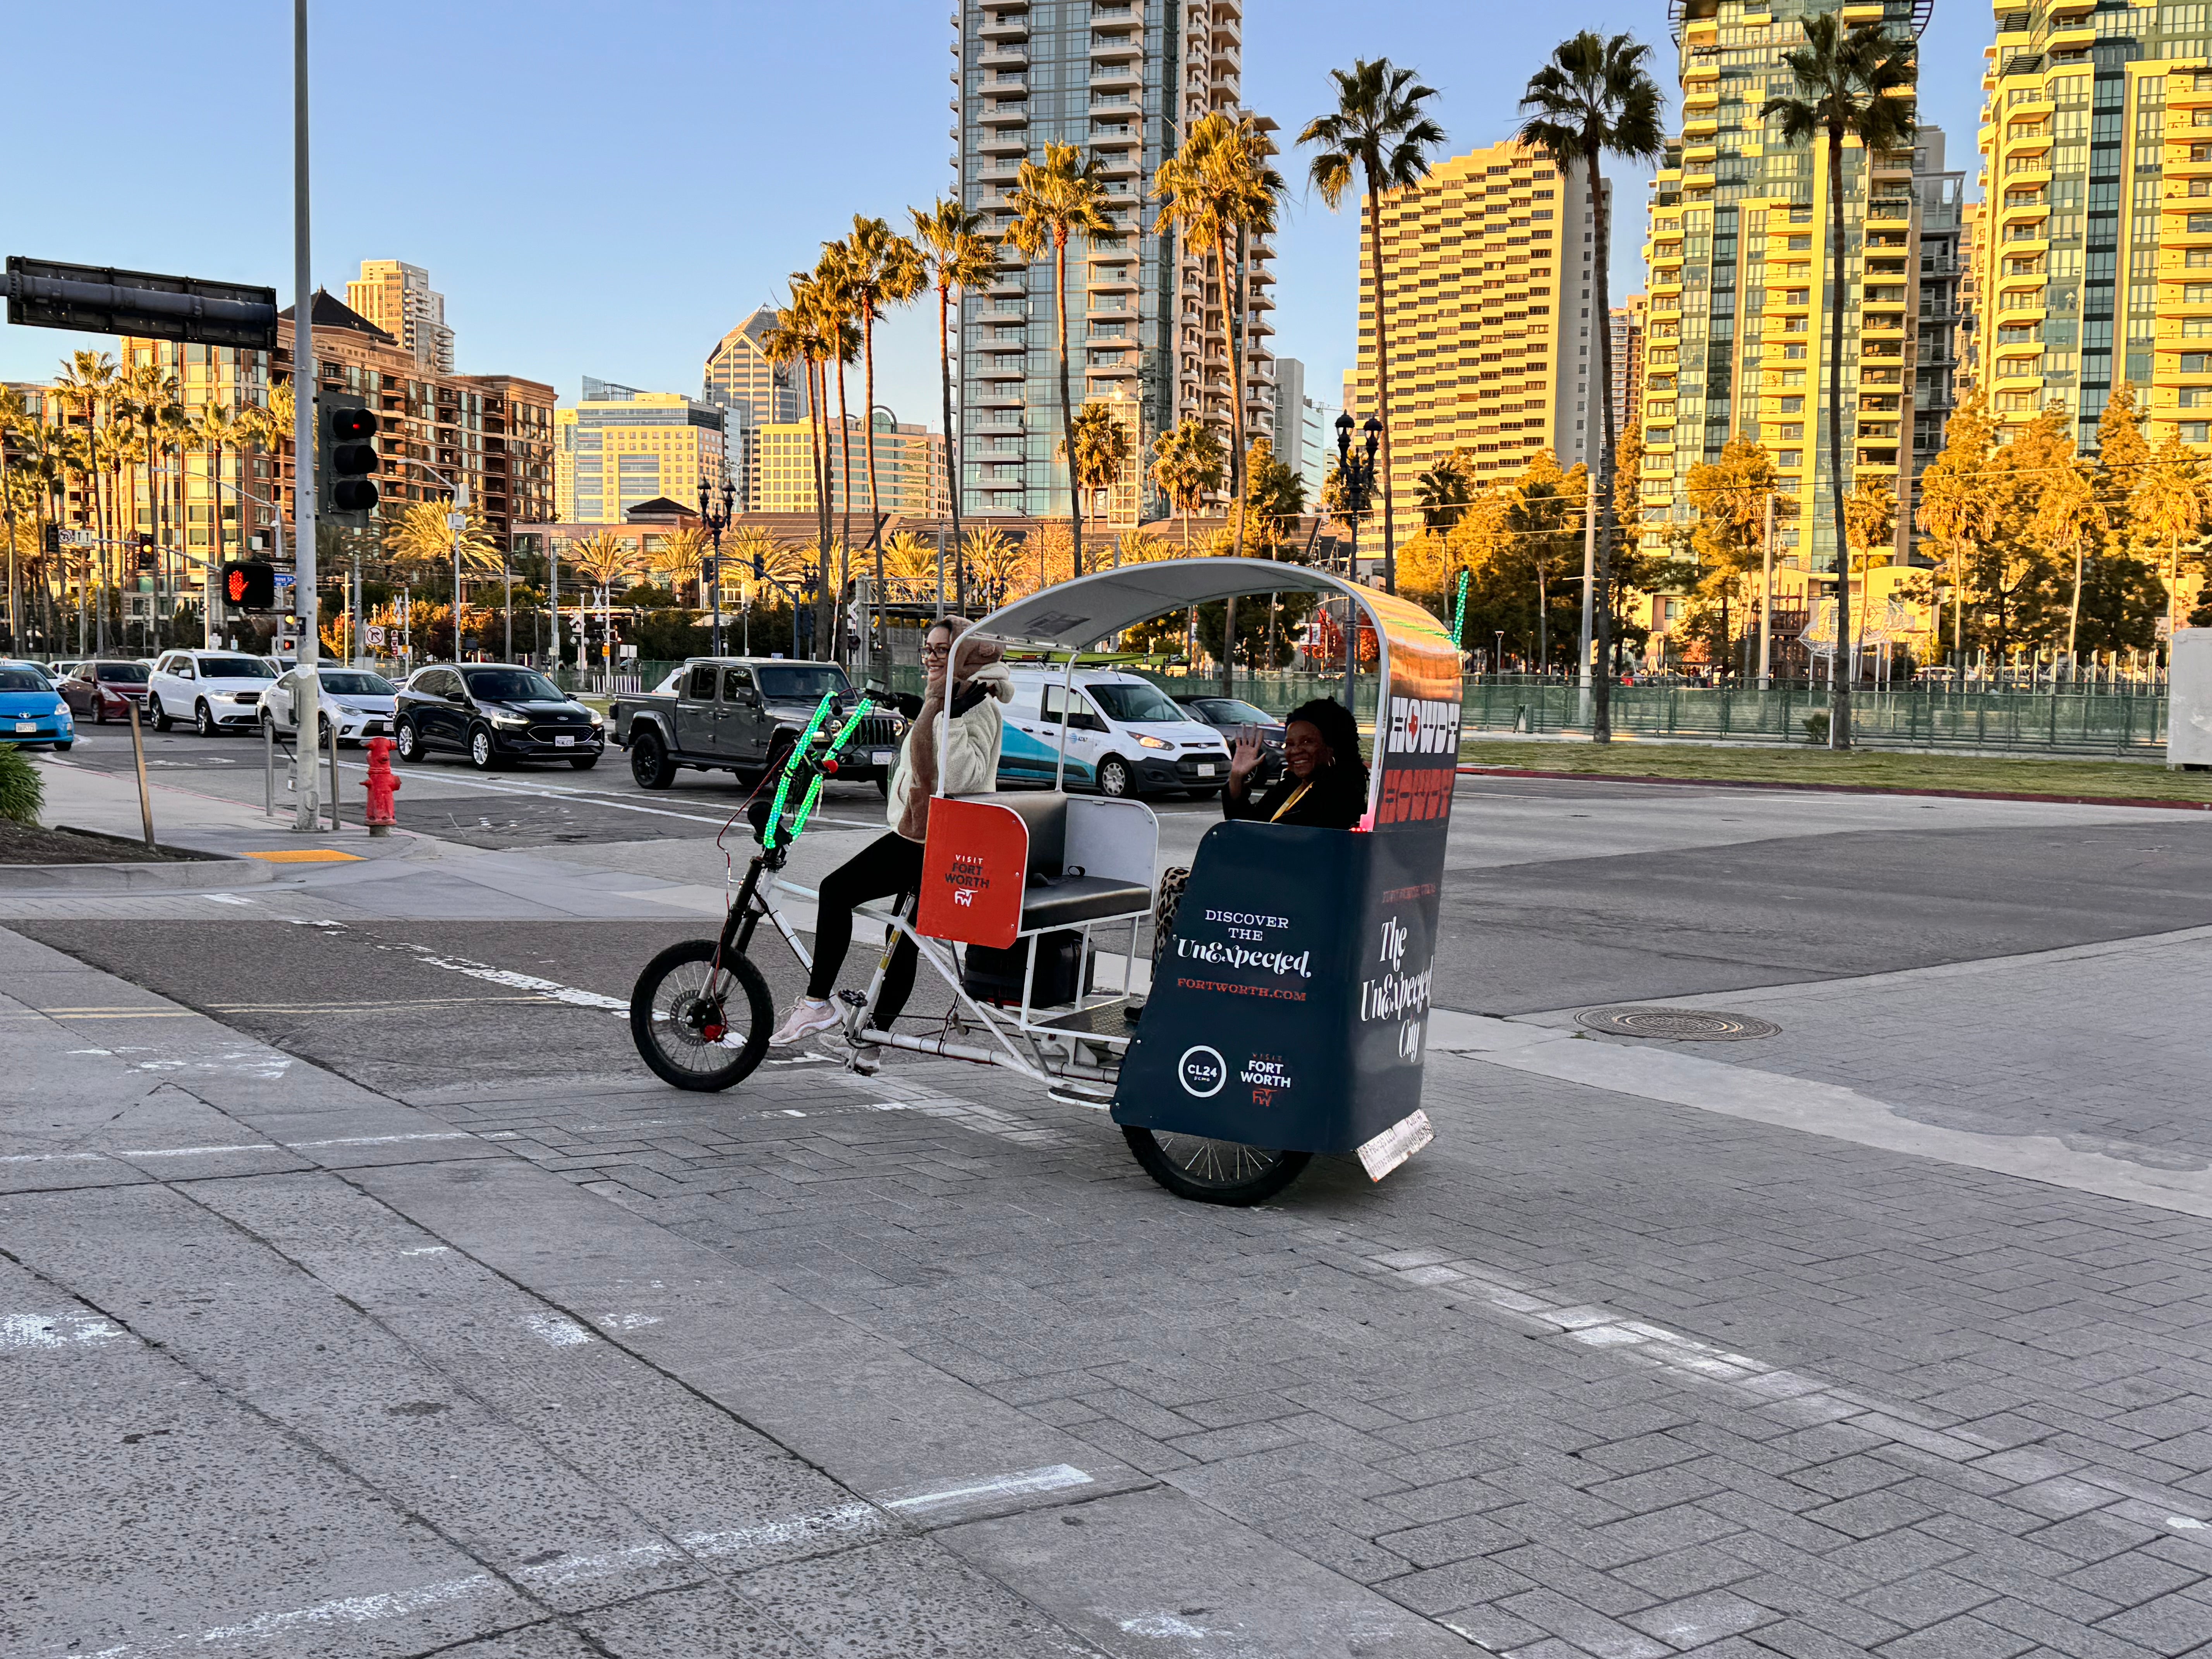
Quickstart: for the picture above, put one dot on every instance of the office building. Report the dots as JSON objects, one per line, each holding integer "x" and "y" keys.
{"x": 617, "y": 447}
{"x": 909, "y": 470}
{"x": 398, "y": 298}
{"x": 1740, "y": 257}
{"x": 2094, "y": 259}
{"x": 1629, "y": 321}
{"x": 1487, "y": 277}
{"x": 1301, "y": 434}
{"x": 1145, "y": 316}
{"x": 754, "y": 393}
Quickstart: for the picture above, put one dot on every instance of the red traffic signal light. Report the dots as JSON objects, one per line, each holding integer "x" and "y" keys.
{"x": 249, "y": 584}
{"x": 348, "y": 457}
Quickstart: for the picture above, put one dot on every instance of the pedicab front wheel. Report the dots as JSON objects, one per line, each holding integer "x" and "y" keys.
{"x": 1213, "y": 1171}
{"x": 698, "y": 1024}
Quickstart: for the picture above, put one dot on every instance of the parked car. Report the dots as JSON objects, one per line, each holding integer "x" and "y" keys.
{"x": 31, "y": 710}
{"x": 215, "y": 691}
{"x": 741, "y": 714}
{"x": 361, "y": 703}
{"x": 104, "y": 689}
{"x": 494, "y": 713}
{"x": 56, "y": 672}
{"x": 1227, "y": 714}
{"x": 1126, "y": 737}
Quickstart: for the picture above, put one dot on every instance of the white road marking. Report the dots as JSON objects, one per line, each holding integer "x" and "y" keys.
{"x": 226, "y": 898}
{"x": 52, "y": 1330}
{"x": 556, "y": 1330}
{"x": 247, "y": 1147}
{"x": 630, "y": 1322}
{"x": 516, "y": 982}
{"x": 1054, "y": 1477}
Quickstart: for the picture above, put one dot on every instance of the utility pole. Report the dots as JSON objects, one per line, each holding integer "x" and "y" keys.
{"x": 1766, "y": 599}
{"x": 553, "y": 593}
{"x": 308, "y": 707}
{"x": 1589, "y": 587}
{"x": 457, "y": 522}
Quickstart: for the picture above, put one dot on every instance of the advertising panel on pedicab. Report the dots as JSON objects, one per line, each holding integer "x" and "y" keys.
{"x": 972, "y": 867}
{"x": 1289, "y": 1008}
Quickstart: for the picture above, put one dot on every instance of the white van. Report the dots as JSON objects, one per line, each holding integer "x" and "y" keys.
{"x": 1126, "y": 737}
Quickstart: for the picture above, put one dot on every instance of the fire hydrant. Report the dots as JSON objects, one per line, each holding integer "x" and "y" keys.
{"x": 382, "y": 784}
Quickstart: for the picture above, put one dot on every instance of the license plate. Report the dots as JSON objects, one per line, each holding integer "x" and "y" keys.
{"x": 26, "y": 726}
{"x": 564, "y": 742}
{"x": 1205, "y": 768}
{"x": 884, "y": 757}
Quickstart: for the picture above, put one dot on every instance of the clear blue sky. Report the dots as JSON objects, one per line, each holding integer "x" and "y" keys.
{"x": 605, "y": 189}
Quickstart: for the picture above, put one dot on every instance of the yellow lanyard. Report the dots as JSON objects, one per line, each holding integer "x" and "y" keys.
{"x": 1296, "y": 795}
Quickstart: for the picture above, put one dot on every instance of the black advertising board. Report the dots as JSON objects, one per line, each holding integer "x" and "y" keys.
{"x": 1289, "y": 1007}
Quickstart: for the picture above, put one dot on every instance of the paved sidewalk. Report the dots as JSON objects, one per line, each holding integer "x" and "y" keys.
{"x": 920, "y": 1364}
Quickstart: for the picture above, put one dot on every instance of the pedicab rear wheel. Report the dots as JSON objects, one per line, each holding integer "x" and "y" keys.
{"x": 1213, "y": 1171}
{"x": 697, "y": 1026}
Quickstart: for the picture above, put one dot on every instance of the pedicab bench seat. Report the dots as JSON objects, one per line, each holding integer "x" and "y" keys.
{"x": 1011, "y": 853}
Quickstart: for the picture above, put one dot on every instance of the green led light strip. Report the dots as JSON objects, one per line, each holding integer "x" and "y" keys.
{"x": 1459, "y": 609}
{"x": 798, "y": 758}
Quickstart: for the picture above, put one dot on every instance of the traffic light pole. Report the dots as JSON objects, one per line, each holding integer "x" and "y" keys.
{"x": 308, "y": 705}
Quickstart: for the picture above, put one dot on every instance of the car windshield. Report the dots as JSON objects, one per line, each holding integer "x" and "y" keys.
{"x": 123, "y": 673}
{"x": 512, "y": 685}
{"x": 236, "y": 668}
{"x": 1234, "y": 711}
{"x": 24, "y": 679}
{"x": 801, "y": 683}
{"x": 347, "y": 683}
{"x": 1136, "y": 703}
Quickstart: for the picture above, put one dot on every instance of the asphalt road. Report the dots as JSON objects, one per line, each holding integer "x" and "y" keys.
{"x": 1561, "y": 894}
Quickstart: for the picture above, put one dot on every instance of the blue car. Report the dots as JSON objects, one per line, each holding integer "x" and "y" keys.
{"x": 31, "y": 710}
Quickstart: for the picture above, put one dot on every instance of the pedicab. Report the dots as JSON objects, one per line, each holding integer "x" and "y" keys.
{"x": 1287, "y": 1007}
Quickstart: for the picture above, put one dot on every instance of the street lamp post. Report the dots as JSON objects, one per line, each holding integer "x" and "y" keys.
{"x": 714, "y": 512}
{"x": 1357, "y": 470}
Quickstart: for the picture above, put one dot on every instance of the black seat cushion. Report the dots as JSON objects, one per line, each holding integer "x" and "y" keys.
{"x": 1080, "y": 898}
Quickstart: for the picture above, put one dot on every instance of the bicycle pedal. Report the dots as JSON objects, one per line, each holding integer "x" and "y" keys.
{"x": 853, "y": 998}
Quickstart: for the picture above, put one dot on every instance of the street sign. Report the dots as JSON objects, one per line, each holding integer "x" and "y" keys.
{"x": 103, "y": 300}
{"x": 373, "y": 634}
{"x": 80, "y": 538}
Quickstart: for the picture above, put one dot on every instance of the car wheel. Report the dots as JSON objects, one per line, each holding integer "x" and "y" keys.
{"x": 407, "y": 741}
{"x": 1114, "y": 777}
{"x": 99, "y": 712}
{"x": 583, "y": 763}
{"x": 64, "y": 748}
{"x": 203, "y": 719}
{"x": 161, "y": 721}
{"x": 648, "y": 761}
{"x": 483, "y": 754}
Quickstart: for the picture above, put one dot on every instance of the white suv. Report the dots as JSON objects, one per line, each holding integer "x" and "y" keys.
{"x": 215, "y": 691}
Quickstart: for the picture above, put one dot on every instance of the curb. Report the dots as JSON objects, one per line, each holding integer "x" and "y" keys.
{"x": 189, "y": 871}
{"x": 1467, "y": 770}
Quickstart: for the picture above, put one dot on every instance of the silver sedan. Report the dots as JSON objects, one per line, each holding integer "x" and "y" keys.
{"x": 358, "y": 703}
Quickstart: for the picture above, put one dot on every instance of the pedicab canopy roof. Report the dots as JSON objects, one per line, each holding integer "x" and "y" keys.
{"x": 1417, "y": 656}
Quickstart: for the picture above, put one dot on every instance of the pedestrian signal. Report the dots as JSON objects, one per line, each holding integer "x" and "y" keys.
{"x": 249, "y": 584}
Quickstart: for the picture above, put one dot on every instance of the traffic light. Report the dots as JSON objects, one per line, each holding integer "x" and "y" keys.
{"x": 249, "y": 584}
{"x": 53, "y": 541}
{"x": 346, "y": 468}
{"x": 145, "y": 551}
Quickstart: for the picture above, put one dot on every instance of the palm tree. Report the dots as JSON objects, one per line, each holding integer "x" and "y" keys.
{"x": 1052, "y": 200}
{"x": 955, "y": 255}
{"x": 218, "y": 429}
{"x": 604, "y": 559}
{"x": 1848, "y": 86}
{"x": 1378, "y": 129}
{"x": 796, "y": 338}
{"x": 1444, "y": 491}
{"x": 1218, "y": 185}
{"x": 1101, "y": 446}
{"x": 885, "y": 270}
{"x": 1596, "y": 98}
{"x": 839, "y": 309}
{"x": 2067, "y": 517}
{"x": 89, "y": 379}
{"x": 2170, "y": 504}
{"x": 681, "y": 557}
{"x": 1187, "y": 466}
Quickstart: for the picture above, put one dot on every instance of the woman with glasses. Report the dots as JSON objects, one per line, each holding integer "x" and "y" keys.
{"x": 892, "y": 863}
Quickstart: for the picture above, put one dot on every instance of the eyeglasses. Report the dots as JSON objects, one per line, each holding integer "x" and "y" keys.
{"x": 936, "y": 650}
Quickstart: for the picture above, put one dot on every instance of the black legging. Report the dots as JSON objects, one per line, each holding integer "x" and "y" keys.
{"x": 889, "y": 865}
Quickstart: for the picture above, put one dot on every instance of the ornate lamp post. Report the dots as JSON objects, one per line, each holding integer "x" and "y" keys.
{"x": 714, "y": 512}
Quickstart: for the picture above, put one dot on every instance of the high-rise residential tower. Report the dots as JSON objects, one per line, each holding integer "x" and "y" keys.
{"x": 1486, "y": 263}
{"x": 1630, "y": 319}
{"x": 1942, "y": 225}
{"x": 2094, "y": 256}
{"x": 755, "y": 393}
{"x": 1119, "y": 80}
{"x": 1741, "y": 263}
{"x": 398, "y": 298}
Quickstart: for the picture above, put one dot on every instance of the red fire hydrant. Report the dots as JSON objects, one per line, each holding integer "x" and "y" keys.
{"x": 382, "y": 784}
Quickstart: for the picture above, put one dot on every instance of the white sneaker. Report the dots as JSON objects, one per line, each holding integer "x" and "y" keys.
{"x": 805, "y": 1018}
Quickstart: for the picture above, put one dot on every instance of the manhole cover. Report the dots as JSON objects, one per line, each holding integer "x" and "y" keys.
{"x": 1675, "y": 1025}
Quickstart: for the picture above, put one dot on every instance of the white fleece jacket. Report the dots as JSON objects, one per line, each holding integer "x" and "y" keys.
{"x": 972, "y": 760}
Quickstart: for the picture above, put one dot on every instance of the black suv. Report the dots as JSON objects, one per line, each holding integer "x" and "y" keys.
{"x": 1226, "y": 715}
{"x": 494, "y": 713}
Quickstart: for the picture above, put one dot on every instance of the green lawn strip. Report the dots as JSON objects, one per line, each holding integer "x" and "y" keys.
{"x": 1864, "y": 768}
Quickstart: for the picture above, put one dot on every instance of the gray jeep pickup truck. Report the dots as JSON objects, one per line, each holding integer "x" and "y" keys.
{"x": 741, "y": 714}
